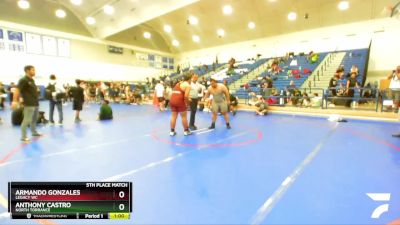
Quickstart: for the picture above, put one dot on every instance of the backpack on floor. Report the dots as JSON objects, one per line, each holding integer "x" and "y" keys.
{"x": 17, "y": 116}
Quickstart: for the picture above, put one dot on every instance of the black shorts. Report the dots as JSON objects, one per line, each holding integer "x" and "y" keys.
{"x": 77, "y": 105}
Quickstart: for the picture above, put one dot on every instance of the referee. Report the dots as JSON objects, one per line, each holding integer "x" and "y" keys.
{"x": 29, "y": 93}
{"x": 195, "y": 89}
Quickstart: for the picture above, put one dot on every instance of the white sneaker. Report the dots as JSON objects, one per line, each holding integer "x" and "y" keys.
{"x": 25, "y": 139}
{"x": 186, "y": 133}
{"x": 172, "y": 133}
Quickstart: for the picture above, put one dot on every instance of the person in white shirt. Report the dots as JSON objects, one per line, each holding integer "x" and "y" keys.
{"x": 57, "y": 92}
{"x": 394, "y": 87}
{"x": 160, "y": 91}
{"x": 196, "y": 93}
{"x": 168, "y": 93}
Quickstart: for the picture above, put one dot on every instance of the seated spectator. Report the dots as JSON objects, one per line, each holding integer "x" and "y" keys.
{"x": 295, "y": 99}
{"x": 253, "y": 99}
{"x": 316, "y": 101}
{"x": 352, "y": 83}
{"x": 262, "y": 107}
{"x": 309, "y": 56}
{"x": 333, "y": 84}
{"x": 290, "y": 88}
{"x": 106, "y": 112}
{"x": 354, "y": 69}
{"x": 305, "y": 101}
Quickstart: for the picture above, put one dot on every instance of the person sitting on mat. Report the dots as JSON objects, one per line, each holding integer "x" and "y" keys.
{"x": 106, "y": 112}
{"x": 262, "y": 107}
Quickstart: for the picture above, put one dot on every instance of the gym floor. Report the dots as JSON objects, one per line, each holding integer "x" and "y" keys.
{"x": 276, "y": 169}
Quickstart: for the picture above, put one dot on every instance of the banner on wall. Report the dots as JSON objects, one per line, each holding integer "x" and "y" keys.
{"x": 49, "y": 46}
{"x": 15, "y": 36}
{"x": 15, "y": 41}
{"x": 64, "y": 47}
{"x": 33, "y": 43}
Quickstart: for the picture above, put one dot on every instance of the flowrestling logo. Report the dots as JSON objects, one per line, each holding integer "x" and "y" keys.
{"x": 380, "y": 197}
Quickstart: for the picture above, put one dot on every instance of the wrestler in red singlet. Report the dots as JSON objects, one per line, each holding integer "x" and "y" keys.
{"x": 178, "y": 104}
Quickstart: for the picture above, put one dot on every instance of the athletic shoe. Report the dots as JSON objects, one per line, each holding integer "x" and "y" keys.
{"x": 52, "y": 123}
{"x": 25, "y": 139}
{"x": 37, "y": 135}
{"x": 186, "y": 133}
{"x": 77, "y": 120}
{"x": 193, "y": 128}
{"x": 396, "y": 135}
{"x": 172, "y": 133}
{"x": 228, "y": 126}
{"x": 211, "y": 127}
{"x": 234, "y": 113}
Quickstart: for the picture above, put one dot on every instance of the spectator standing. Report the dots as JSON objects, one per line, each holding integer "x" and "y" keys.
{"x": 195, "y": 89}
{"x": 79, "y": 99}
{"x": 55, "y": 92}
{"x": 160, "y": 92}
{"x": 27, "y": 89}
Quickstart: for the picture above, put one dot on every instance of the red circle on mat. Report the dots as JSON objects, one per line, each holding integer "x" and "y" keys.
{"x": 396, "y": 222}
{"x": 257, "y": 133}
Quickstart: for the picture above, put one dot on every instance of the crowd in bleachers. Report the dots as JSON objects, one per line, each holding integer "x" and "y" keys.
{"x": 279, "y": 83}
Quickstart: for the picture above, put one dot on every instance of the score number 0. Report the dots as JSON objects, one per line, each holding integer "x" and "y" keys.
{"x": 121, "y": 195}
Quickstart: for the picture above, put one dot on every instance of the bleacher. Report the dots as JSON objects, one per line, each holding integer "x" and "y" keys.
{"x": 281, "y": 80}
{"x": 248, "y": 67}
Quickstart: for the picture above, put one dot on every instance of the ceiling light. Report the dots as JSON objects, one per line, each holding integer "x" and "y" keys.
{"x": 221, "y": 32}
{"x": 227, "y": 9}
{"x": 108, "y": 9}
{"x": 90, "y": 20}
{"x": 252, "y": 25}
{"x": 343, "y": 5}
{"x": 76, "y": 2}
{"x": 272, "y": 0}
{"x": 193, "y": 20}
{"x": 23, "y": 4}
{"x": 147, "y": 35}
{"x": 196, "y": 38}
{"x": 167, "y": 28}
{"x": 175, "y": 43}
{"x": 292, "y": 16}
{"x": 60, "y": 13}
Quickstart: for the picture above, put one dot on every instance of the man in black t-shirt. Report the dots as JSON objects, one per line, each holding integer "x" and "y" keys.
{"x": 28, "y": 90}
{"x": 79, "y": 99}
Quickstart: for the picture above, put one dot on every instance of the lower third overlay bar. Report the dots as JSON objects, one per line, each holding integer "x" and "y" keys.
{"x": 90, "y": 216}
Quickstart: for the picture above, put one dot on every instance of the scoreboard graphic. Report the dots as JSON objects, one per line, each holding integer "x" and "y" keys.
{"x": 70, "y": 200}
